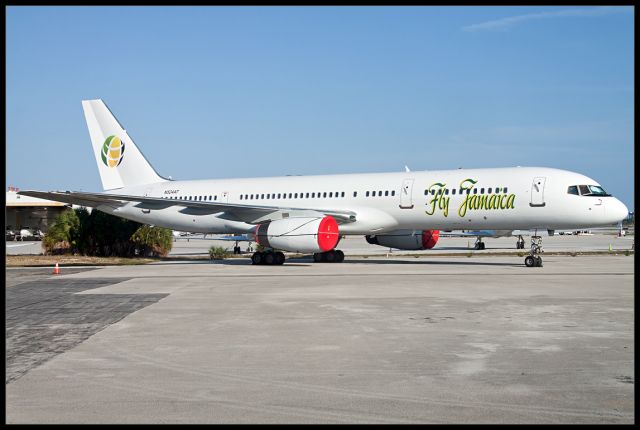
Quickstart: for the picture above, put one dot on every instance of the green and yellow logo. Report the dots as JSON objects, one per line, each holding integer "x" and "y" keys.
{"x": 471, "y": 202}
{"x": 112, "y": 151}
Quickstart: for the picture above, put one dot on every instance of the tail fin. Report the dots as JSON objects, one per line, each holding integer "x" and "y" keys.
{"x": 120, "y": 162}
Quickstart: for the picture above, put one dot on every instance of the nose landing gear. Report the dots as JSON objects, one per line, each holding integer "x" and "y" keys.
{"x": 534, "y": 260}
{"x": 479, "y": 245}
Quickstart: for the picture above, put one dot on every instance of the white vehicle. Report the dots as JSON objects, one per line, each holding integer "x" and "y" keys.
{"x": 403, "y": 210}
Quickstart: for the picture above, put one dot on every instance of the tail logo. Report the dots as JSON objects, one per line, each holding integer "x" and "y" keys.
{"x": 112, "y": 151}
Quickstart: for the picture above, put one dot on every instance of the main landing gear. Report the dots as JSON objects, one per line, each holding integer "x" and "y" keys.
{"x": 534, "y": 260}
{"x": 479, "y": 244}
{"x": 268, "y": 257}
{"x": 520, "y": 242}
{"x": 333, "y": 256}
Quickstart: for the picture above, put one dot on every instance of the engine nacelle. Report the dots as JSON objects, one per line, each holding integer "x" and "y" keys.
{"x": 406, "y": 239}
{"x": 299, "y": 234}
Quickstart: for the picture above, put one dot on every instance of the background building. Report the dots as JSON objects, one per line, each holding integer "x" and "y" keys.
{"x": 31, "y": 212}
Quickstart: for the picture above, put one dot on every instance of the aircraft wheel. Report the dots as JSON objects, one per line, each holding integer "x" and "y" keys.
{"x": 330, "y": 256}
{"x": 256, "y": 258}
{"x": 482, "y": 245}
{"x": 339, "y": 256}
{"x": 269, "y": 258}
{"x": 318, "y": 257}
{"x": 529, "y": 261}
{"x": 538, "y": 261}
{"x": 279, "y": 258}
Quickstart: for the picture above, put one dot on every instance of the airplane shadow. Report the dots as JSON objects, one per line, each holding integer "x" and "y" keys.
{"x": 305, "y": 262}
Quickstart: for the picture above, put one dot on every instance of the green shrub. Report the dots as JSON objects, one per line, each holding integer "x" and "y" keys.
{"x": 152, "y": 241}
{"x": 62, "y": 235}
{"x": 218, "y": 253}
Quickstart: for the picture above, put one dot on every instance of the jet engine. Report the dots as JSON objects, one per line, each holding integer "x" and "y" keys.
{"x": 406, "y": 239}
{"x": 299, "y": 234}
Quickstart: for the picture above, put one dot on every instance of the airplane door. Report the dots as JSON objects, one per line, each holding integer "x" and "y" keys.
{"x": 225, "y": 197}
{"x": 406, "y": 201}
{"x": 537, "y": 192}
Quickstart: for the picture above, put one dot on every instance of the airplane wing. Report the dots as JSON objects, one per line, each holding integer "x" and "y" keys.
{"x": 251, "y": 214}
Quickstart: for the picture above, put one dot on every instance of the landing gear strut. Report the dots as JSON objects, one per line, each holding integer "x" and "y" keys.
{"x": 268, "y": 257}
{"x": 534, "y": 260}
{"x": 479, "y": 244}
{"x": 333, "y": 256}
{"x": 520, "y": 242}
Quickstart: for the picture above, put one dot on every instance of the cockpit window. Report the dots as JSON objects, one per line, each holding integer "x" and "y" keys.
{"x": 597, "y": 190}
{"x": 588, "y": 190}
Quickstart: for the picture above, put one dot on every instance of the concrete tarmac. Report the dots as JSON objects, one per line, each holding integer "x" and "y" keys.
{"x": 438, "y": 339}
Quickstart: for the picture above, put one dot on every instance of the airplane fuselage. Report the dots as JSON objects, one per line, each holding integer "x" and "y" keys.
{"x": 498, "y": 198}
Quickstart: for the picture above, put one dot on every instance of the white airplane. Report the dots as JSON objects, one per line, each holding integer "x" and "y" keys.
{"x": 403, "y": 210}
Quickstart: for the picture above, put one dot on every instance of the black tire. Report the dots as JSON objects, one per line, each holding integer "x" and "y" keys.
{"x": 538, "y": 261}
{"x": 269, "y": 258}
{"x": 318, "y": 257}
{"x": 256, "y": 258}
{"x": 339, "y": 256}
{"x": 330, "y": 256}
{"x": 482, "y": 246}
{"x": 279, "y": 258}
{"x": 529, "y": 261}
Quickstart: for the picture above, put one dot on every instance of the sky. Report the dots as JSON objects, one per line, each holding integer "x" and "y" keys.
{"x": 224, "y": 92}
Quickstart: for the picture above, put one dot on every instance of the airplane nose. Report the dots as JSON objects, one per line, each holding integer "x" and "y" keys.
{"x": 618, "y": 210}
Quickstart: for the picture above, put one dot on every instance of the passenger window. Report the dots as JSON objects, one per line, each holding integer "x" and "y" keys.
{"x": 446, "y": 192}
{"x": 497, "y": 190}
{"x": 290, "y": 195}
{"x": 267, "y": 196}
{"x": 475, "y": 191}
{"x": 261, "y": 196}
{"x": 330, "y": 194}
{"x": 481, "y": 190}
{"x": 504, "y": 190}
{"x": 379, "y": 193}
{"x": 572, "y": 190}
{"x": 355, "y": 194}
{"x": 240, "y": 196}
{"x": 367, "y": 194}
{"x": 313, "y": 195}
{"x": 489, "y": 191}
{"x": 215, "y": 197}
{"x": 386, "y": 193}
{"x": 453, "y": 191}
{"x": 324, "y": 194}
{"x": 393, "y": 193}
{"x": 433, "y": 192}
{"x": 342, "y": 194}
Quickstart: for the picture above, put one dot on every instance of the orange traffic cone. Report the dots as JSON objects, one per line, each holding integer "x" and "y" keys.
{"x": 56, "y": 270}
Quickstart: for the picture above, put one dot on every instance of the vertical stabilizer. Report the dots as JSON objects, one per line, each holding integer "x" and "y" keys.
{"x": 120, "y": 162}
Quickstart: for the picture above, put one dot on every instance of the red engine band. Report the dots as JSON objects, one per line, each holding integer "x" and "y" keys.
{"x": 430, "y": 238}
{"x": 328, "y": 234}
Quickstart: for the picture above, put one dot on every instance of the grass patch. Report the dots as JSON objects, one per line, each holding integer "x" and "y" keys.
{"x": 71, "y": 260}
